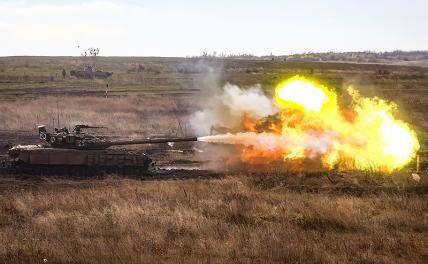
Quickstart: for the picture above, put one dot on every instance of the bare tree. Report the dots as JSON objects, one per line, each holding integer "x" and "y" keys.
{"x": 93, "y": 53}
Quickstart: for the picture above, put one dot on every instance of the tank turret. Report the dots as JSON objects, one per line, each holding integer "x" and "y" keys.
{"x": 78, "y": 139}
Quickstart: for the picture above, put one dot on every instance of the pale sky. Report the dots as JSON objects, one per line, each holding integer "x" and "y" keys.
{"x": 189, "y": 27}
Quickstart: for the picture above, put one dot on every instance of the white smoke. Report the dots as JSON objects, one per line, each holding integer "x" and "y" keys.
{"x": 312, "y": 142}
{"x": 227, "y": 108}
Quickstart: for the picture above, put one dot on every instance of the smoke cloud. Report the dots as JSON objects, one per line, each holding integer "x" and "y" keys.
{"x": 227, "y": 107}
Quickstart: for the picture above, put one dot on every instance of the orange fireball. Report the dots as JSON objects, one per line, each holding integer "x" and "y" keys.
{"x": 312, "y": 125}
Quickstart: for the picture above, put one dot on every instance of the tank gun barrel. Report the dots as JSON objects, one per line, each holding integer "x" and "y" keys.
{"x": 151, "y": 141}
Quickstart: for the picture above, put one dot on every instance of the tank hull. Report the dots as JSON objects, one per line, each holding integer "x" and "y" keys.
{"x": 42, "y": 160}
{"x": 90, "y": 74}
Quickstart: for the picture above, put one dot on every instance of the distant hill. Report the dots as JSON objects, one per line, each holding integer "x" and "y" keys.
{"x": 395, "y": 57}
{"x": 399, "y": 57}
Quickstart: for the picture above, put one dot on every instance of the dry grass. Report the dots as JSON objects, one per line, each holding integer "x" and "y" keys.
{"x": 235, "y": 219}
{"x": 144, "y": 114}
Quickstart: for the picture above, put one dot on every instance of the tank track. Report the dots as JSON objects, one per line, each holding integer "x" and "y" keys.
{"x": 78, "y": 173}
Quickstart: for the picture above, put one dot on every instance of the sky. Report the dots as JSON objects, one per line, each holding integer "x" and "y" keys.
{"x": 190, "y": 27}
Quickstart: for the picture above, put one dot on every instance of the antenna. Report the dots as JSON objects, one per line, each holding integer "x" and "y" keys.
{"x": 57, "y": 111}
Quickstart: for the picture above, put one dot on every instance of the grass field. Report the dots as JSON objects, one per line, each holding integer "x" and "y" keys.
{"x": 177, "y": 78}
{"x": 257, "y": 218}
{"x": 244, "y": 215}
{"x": 35, "y": 76}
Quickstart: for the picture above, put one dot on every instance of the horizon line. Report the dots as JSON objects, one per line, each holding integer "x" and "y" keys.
{"x": 222, "y": 55}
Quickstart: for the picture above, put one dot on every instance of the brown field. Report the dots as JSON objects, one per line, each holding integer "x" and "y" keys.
{"x": 235, "y": 219}
{"x": 130, "y": 114}
{"x": 244, "y": 215}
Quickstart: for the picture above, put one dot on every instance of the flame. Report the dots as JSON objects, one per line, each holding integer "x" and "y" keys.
{"x": 312, "y": 125}
{"x": 301, "y": 93}
{"x": 248, "y": 123}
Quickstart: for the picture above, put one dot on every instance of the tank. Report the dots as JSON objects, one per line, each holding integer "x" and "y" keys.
{"x": 78, "y": 153}
{"x": 90, "y": 73}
